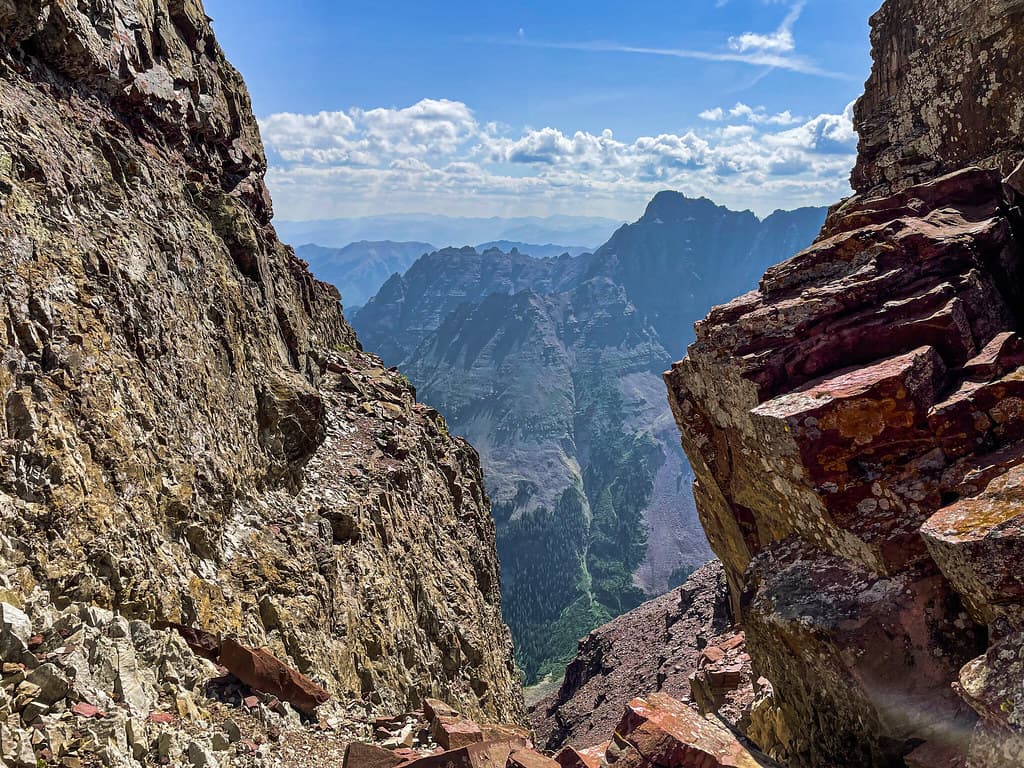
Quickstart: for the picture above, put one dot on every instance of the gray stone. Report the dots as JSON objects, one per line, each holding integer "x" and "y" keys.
{"x": 15, "y": 631}
{"x": 200, "y": 756}
{"x": 53, "y": 686}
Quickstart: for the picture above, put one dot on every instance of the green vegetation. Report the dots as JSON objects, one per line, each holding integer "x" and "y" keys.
{"x": 679, "y": 576}
{"x": 568, "y": 571}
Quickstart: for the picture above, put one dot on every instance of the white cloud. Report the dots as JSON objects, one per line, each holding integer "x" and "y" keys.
{"x": 437, "y": 156}
{"x": 779, "y": 41}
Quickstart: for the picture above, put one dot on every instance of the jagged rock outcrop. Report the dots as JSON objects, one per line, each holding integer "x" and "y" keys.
{"x": 190, "y": 431}
{"x": 945, "y": 92}
{"x": 855, "y": 423}
{"x": 652, "y": 649}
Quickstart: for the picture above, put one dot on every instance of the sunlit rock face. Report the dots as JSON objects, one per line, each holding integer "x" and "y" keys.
{"x": 190, "y": 431}
{"x": 855, "y": 424}
{"x": 946, "y": 91}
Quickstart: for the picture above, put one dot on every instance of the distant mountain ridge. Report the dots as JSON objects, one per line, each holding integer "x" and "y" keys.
{"x": 583, "y": 231}
{"x": 360, "y": 269}
{"x": 551, "y": 367}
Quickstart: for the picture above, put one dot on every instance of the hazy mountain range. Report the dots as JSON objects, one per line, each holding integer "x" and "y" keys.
{"x": 581, "y": 231}
{"x": 551, "y": 368}
{"x": 361, "y": 268}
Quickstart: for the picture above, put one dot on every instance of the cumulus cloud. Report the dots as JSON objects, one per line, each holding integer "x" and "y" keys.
{"x": 437, "y": 155}
{"x": 780, "y": 41}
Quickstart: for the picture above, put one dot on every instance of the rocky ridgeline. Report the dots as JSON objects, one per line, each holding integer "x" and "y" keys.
{"x": 856, "y": 424}
{"x": 189, "y": 431}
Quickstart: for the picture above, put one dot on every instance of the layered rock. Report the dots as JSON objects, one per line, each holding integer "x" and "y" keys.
{"x": 191, "y": 432}
{"x": 945, "y": 91}
{"x": 855, "y": 423}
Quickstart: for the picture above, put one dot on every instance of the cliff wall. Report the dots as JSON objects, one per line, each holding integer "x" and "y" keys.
{"x": 190, "y": 430}
{"x": 855, "y": 424}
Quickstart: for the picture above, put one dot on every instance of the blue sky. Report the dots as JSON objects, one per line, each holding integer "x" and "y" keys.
{"x": 533, "y": 108}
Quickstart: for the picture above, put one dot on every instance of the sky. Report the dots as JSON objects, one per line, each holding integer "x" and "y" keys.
{"x": 535, "y": 108}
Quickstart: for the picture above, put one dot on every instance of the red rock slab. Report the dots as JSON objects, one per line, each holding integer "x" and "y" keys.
{"x": 1003, "y": 354}
{"x": 519, "y": 738}
{"x": 452, "y": 734}
{"x": 435, "y": 708}
{"x": 527, "y": 758}
{"x": 360, "y": 755}
{"x": 262, "y": 671}
{"x": 486, "y": 754}
{"x": 570, "y": 757}
{"x": 978, "y": 543}
{"x": 662, "y": 731}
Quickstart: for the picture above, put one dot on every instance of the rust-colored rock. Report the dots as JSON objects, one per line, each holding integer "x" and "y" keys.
{"x": 454, "y": 733}
{"x": 978, "y": 543}
{"x": 723, "y": 682}
{"x": 487, "y": 754}
{"x": 570, "y": 757}
{"x": 361, "y": 755}
{"x": 661, "y": 731}
{"x": 527, "y": 758}
{"x": 261, "y": 670}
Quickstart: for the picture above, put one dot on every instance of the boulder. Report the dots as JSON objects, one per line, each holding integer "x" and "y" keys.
{"x": 527, "y": 758}
{"x": 661, "y": 731}
{"x": 15, "y": 631}
{"x": 978, "y": 542}
{"x": 259, "y": 669}
{"x": 452, "y": 734}
{"x": 361, "y": 755}
{"x": 487, "y": 754}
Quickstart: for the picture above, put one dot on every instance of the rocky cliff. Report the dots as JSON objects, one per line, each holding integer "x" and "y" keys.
{"x": 855, "y": 422}
{"x": 190, "y": 430}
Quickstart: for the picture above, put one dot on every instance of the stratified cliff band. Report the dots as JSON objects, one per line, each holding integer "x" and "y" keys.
{"x": 856, "y": 424}
{"x": 190, "y": 431}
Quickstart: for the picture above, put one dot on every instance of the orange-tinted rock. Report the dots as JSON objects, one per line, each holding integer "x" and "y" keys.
{"x": 661, "y": 731}
{"x": 487, "y": 754}
{"x": 435, "y": 708}
{"x": 527, "y": 758}
{"x": 570, "y": 757}
{"x": 979, "y": 545}
{"x": 723, "y": 680}
{"x": 260, "y": 670}
{"x": 361, "y": 755}
{"x": 519, "y": 738}
{"x": 452, "y": 734}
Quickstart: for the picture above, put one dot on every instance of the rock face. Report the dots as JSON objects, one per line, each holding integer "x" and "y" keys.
{"x": 945, "y": 92}
{"x": 651, "y": 649}
{"x": 190, "y": 431}
{"x": 551, "y": 368}
{"x": 855, "y": 423}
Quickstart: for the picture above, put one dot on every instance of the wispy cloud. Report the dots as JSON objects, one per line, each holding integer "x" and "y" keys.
{"x": 774, "y": 50}
{"x": 754, "y": 57}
